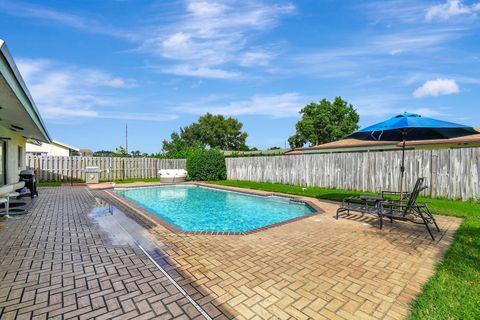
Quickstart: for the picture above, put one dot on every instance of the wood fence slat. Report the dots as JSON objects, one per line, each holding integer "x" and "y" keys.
{"x": 55, "y": 168}
{"x": 450, "y": 173}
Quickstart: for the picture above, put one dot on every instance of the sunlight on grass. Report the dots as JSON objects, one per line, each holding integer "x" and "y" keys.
{"x": 122, "y": 181}
{"x": 49, "y": 184}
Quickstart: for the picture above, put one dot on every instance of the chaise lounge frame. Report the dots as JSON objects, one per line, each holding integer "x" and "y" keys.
{"x": 404, "y": 209}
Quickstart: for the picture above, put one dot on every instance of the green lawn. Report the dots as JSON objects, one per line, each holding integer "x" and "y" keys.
{"x": 49, "y": 183}
{"x": 120, "y": 181}
{"x": 57, "y": 183}
{"x": 137, "y": 180}
{"x": 454, "y": 291}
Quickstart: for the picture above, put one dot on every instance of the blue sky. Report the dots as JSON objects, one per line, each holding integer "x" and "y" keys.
{"x": 92, "y": 66}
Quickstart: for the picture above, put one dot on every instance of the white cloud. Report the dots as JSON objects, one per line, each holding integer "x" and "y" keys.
{"x": 100, "y": 78}
{"x": 377, "y": 51}
{"x": 29, "y": 68}
{"x": 255, "y": 58}
{"x": 389, "y": 12}
{"x": 277, "y": 106}
{"x": 214, "y": 33}
{"x": 437, "y": 87}
{"x": 207, "y": 34}
{"x": 377, "y": 106}
{"x": 451, "y": 9}
{"x": 417, "y": 40}
{"x": 429, "y": 112}
{"x": 141, "y": 116}
{"x": 387, "y": 105}
{"x": 69, "y": 92}
{"x": 206, "y": 8}
{"x": 289, "y": 104}
{"x": 59, "y": 112}
{"x": 202, "y": 72}
{"x": 22, "y": 9}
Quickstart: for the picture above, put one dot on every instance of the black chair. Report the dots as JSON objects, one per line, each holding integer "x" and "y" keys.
{"x": 362, "y": 204}
{"x": 408, "y": 209}
{"x": 391, "y": 205}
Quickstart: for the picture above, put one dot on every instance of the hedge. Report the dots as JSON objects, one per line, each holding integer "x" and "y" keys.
{"x": 207, "y": 165}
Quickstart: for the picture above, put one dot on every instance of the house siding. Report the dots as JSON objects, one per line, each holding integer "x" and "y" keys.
{"x": 48, "y": 149}
{"x": 14, "y": 140}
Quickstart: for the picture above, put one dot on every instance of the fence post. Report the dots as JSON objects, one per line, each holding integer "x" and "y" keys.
{"x": 123, "y": 164}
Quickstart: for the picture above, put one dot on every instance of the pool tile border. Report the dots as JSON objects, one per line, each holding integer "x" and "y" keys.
{"x": 171, "y": 227}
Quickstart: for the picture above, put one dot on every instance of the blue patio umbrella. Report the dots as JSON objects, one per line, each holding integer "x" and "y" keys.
{"x": 411, "y": 126}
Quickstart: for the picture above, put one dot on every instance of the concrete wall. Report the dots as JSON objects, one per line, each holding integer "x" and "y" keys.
{"x": 48, "y": 149}
{"x": 13, "y": 167}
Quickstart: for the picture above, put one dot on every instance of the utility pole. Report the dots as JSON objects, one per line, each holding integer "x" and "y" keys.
{"x": 126, "y": 138}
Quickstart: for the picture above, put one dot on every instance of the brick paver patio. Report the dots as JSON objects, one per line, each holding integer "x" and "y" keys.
{"x": 56, "y": 261}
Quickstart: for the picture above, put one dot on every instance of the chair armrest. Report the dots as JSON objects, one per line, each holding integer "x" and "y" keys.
{"x": 394, "y": 203}
{"x": 423, "y": 203}
{"x": 352, "y": 199}
{"x": 394, "y": 193}
{"x": 390, "y": 192}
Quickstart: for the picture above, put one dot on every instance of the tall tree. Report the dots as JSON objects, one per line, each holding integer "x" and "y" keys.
{"x": 212, "y": 131}
{"x": 136, "y": 153}
{"x": 103, "y": 153}
{"x": 324, "y": 122}
{"x": 120, "y": 152}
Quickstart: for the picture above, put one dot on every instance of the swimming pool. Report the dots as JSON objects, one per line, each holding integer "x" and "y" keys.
{"x": 197, "y": 208}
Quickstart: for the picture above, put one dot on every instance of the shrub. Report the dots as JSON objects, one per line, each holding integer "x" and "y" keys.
{"x": 206, "y": 165}
{"x": 182, "y": 152}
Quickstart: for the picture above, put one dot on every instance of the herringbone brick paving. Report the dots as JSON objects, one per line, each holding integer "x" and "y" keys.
{"x": 315, "y": 268}
{"x": 56, "y": 263}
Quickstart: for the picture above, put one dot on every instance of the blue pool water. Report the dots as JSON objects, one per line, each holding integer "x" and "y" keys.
{"x": 194, "y": 208}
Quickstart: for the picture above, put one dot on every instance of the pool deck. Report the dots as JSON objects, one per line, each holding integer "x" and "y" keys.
{"x": 59, "y": 262}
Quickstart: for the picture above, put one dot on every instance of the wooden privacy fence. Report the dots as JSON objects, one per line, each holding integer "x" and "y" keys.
{"x": 52, "y": 168}
{"x": 450, "y": 173}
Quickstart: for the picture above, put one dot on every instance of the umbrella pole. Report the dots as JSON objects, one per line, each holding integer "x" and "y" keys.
{"x": 402, "y": 167}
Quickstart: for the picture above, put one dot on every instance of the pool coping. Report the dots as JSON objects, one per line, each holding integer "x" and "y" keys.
{"x": 173, "y": 228}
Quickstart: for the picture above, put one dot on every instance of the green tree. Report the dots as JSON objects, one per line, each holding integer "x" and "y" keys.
{"x": 136, "y": 153}
{"x": 211, "y": 131}
{"x": 103, "y": 153}
{"x": 120, "y": 152}
{"x": 175, "y": 144}
{"x": 324, "y": 122}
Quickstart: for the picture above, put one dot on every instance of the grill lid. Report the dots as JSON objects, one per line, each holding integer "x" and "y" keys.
{"x": 27, "y": 172}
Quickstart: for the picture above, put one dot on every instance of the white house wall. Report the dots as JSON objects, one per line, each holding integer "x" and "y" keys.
{"x": 13, "y": 167}
{"x": 48, "y": 149}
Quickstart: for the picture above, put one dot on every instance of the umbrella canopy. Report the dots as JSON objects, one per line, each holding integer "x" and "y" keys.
{"x": 411, "y": 126}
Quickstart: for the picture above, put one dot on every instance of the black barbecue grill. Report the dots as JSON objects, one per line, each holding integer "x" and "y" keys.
{"x": 30, "y": 183}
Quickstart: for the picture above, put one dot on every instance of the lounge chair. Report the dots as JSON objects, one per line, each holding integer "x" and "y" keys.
{"x": 4, "y": 198}
{"x": 6, "y": 193}
{"x": 172, "y": 175}
{"x": 362, "y": 204}
{"x": 15, "y": 194}
{"x": 406, "y": 208}
{"x": 409, "y": 209}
